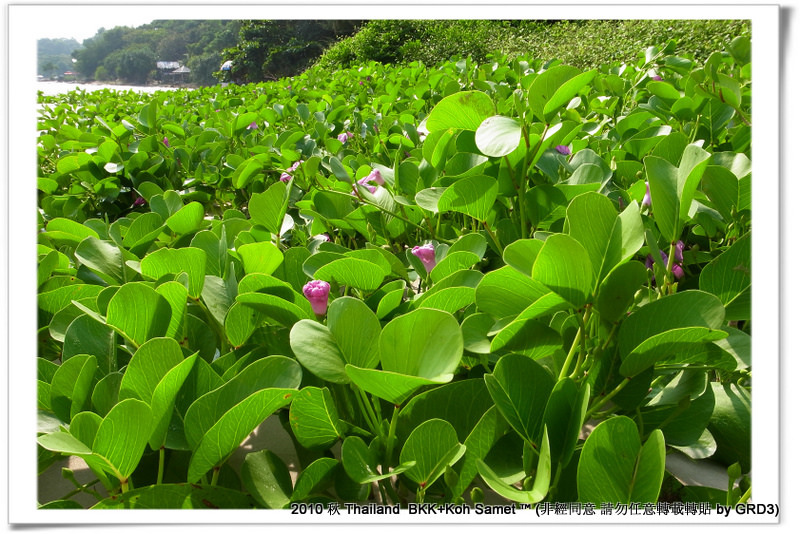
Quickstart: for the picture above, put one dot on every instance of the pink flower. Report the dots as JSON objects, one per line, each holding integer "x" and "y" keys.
{"x": 426, "y": 254}
{"x": 166, "y": 141}
{"x": 563, "y": 149}
{"x": 253, "y": 126}
{"x": 375, "y": 177}
{"x": 140, "y": 201}
{"x": 316, "y": 291}
{"x": 294, "y": 166}
{"x": 656, "y": 78}
{"x": 646, "y": 200}
{"x": 285, "y": 177}
{"x": 324, "y": 237}
{"x": 342, "y": 137}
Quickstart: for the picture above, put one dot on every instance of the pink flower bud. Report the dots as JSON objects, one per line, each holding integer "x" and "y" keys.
{"x": 656, "y": 78}
{"x": 253, "y": 126}
{"x": 563, "y": 149}
{"x": 646, "y": 200}
{"x": 426, "y": 254}
{"x": 166, "y": 141}
{"x": 316, "y": 291}
{"x": 285, "y": 177}
{"x": 679, "y": 246}
{"x": 294, "y": 166}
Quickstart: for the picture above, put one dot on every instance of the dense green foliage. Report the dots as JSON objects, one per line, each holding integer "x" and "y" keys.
{"x": 513, "y": 274}
{"x": 54, "y": 56}
{"x": 130, "y": 54}
{"x": 272, "y": 49}
{"x": 582, "y": 43}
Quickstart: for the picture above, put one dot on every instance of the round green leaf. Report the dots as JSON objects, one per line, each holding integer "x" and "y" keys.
{"x": 149, "y": 365}
{"x": 261, "y": 257}
{"x": 498, "y": 136}
{"x": 433, "y": 445}
{"x": 425, "y": 343}
{"x": 465, "y": 110}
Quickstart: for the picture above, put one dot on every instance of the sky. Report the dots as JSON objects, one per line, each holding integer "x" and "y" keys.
{"x": 81, "y": 28}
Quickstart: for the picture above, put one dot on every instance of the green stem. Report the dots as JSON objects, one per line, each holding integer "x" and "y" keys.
{"x": 390, "y": 439}
{"x": 746, "y": 495}
{"x": 602, "y": 400}
{"x": 160, "y": 475}
{"x": 495, "y": 241}
{"x": 579, "y": 340}
{"x": 215, "y": 475}
{"x": 123, "y": 485}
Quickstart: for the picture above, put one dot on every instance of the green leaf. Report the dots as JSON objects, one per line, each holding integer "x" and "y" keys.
{"x": 609, "y": 238}
{"x": 730, "y": 424}
{"x": 356, "y": 330}
{"x": 698, "y": 311}
{"x": 267, "y": 479}
{"x": 498, "y": 136}
{"x": 316, "y": 348}
{"x": 522, "y": 253}
{"x": 261, "y": 257}
{"x": 188, "y": 219}
{"x": 666, "y": 344}
{"x": 473, "y": 196}
{"x": 68, "y": 232}
{"x": 139, "y": 312}
{"x": 529, "y": 337}
{"x": 233, "y": 426}
{"x": 313, "y": 478}
{"x": 352, "y": 272}
{"x": 617, "y": 291}
{"x": 423, "y": 346}
{"x": 314, "y": 418}
{"x": 540, "y": 485}
{"x": 520, "y": 388}
{"x": 564, "y": 266}
{"x": 275, "y": 374}
{"x": 189, "y": 260}
{"x": 460, "y": 403}
{"x": 177, "y": 496}
{"x": 85, "y": 335}
{"x": 282, "y": 311}
{"x": 489, "y": 429}
{"x": 433, "y": 445}
{"x": 162, "y": 402}
{"x": 506, "y": 292}
{"x": 240, "y": 323}
{"x": 151, "y": 362}
{"x": 102, "y": 257}
{"x": 72, "y": 385}
{"x": 454, "y": 261}
{"x": 564, "y": 416}
{"x": 269, "y": 207}
{"x": 546, "y": 85}
{"x": 175, "y": 293}
{"x": 122, "y": 436}
{"x": 465, "y": 110}
{"x": 615, "y": 467}
{"x": 728, "y": 275}
{"x": 360, "y": 464}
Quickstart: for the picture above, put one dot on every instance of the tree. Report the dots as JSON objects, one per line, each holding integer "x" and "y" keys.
{"x": 132, "y": 64}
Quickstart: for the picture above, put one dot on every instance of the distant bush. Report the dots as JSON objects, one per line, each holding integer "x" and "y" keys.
{"x": 582, "y": 43}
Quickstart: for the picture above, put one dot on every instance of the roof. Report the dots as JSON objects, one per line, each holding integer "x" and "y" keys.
{"x": 181, "y": 70}
{"x": 167, "y": 65}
